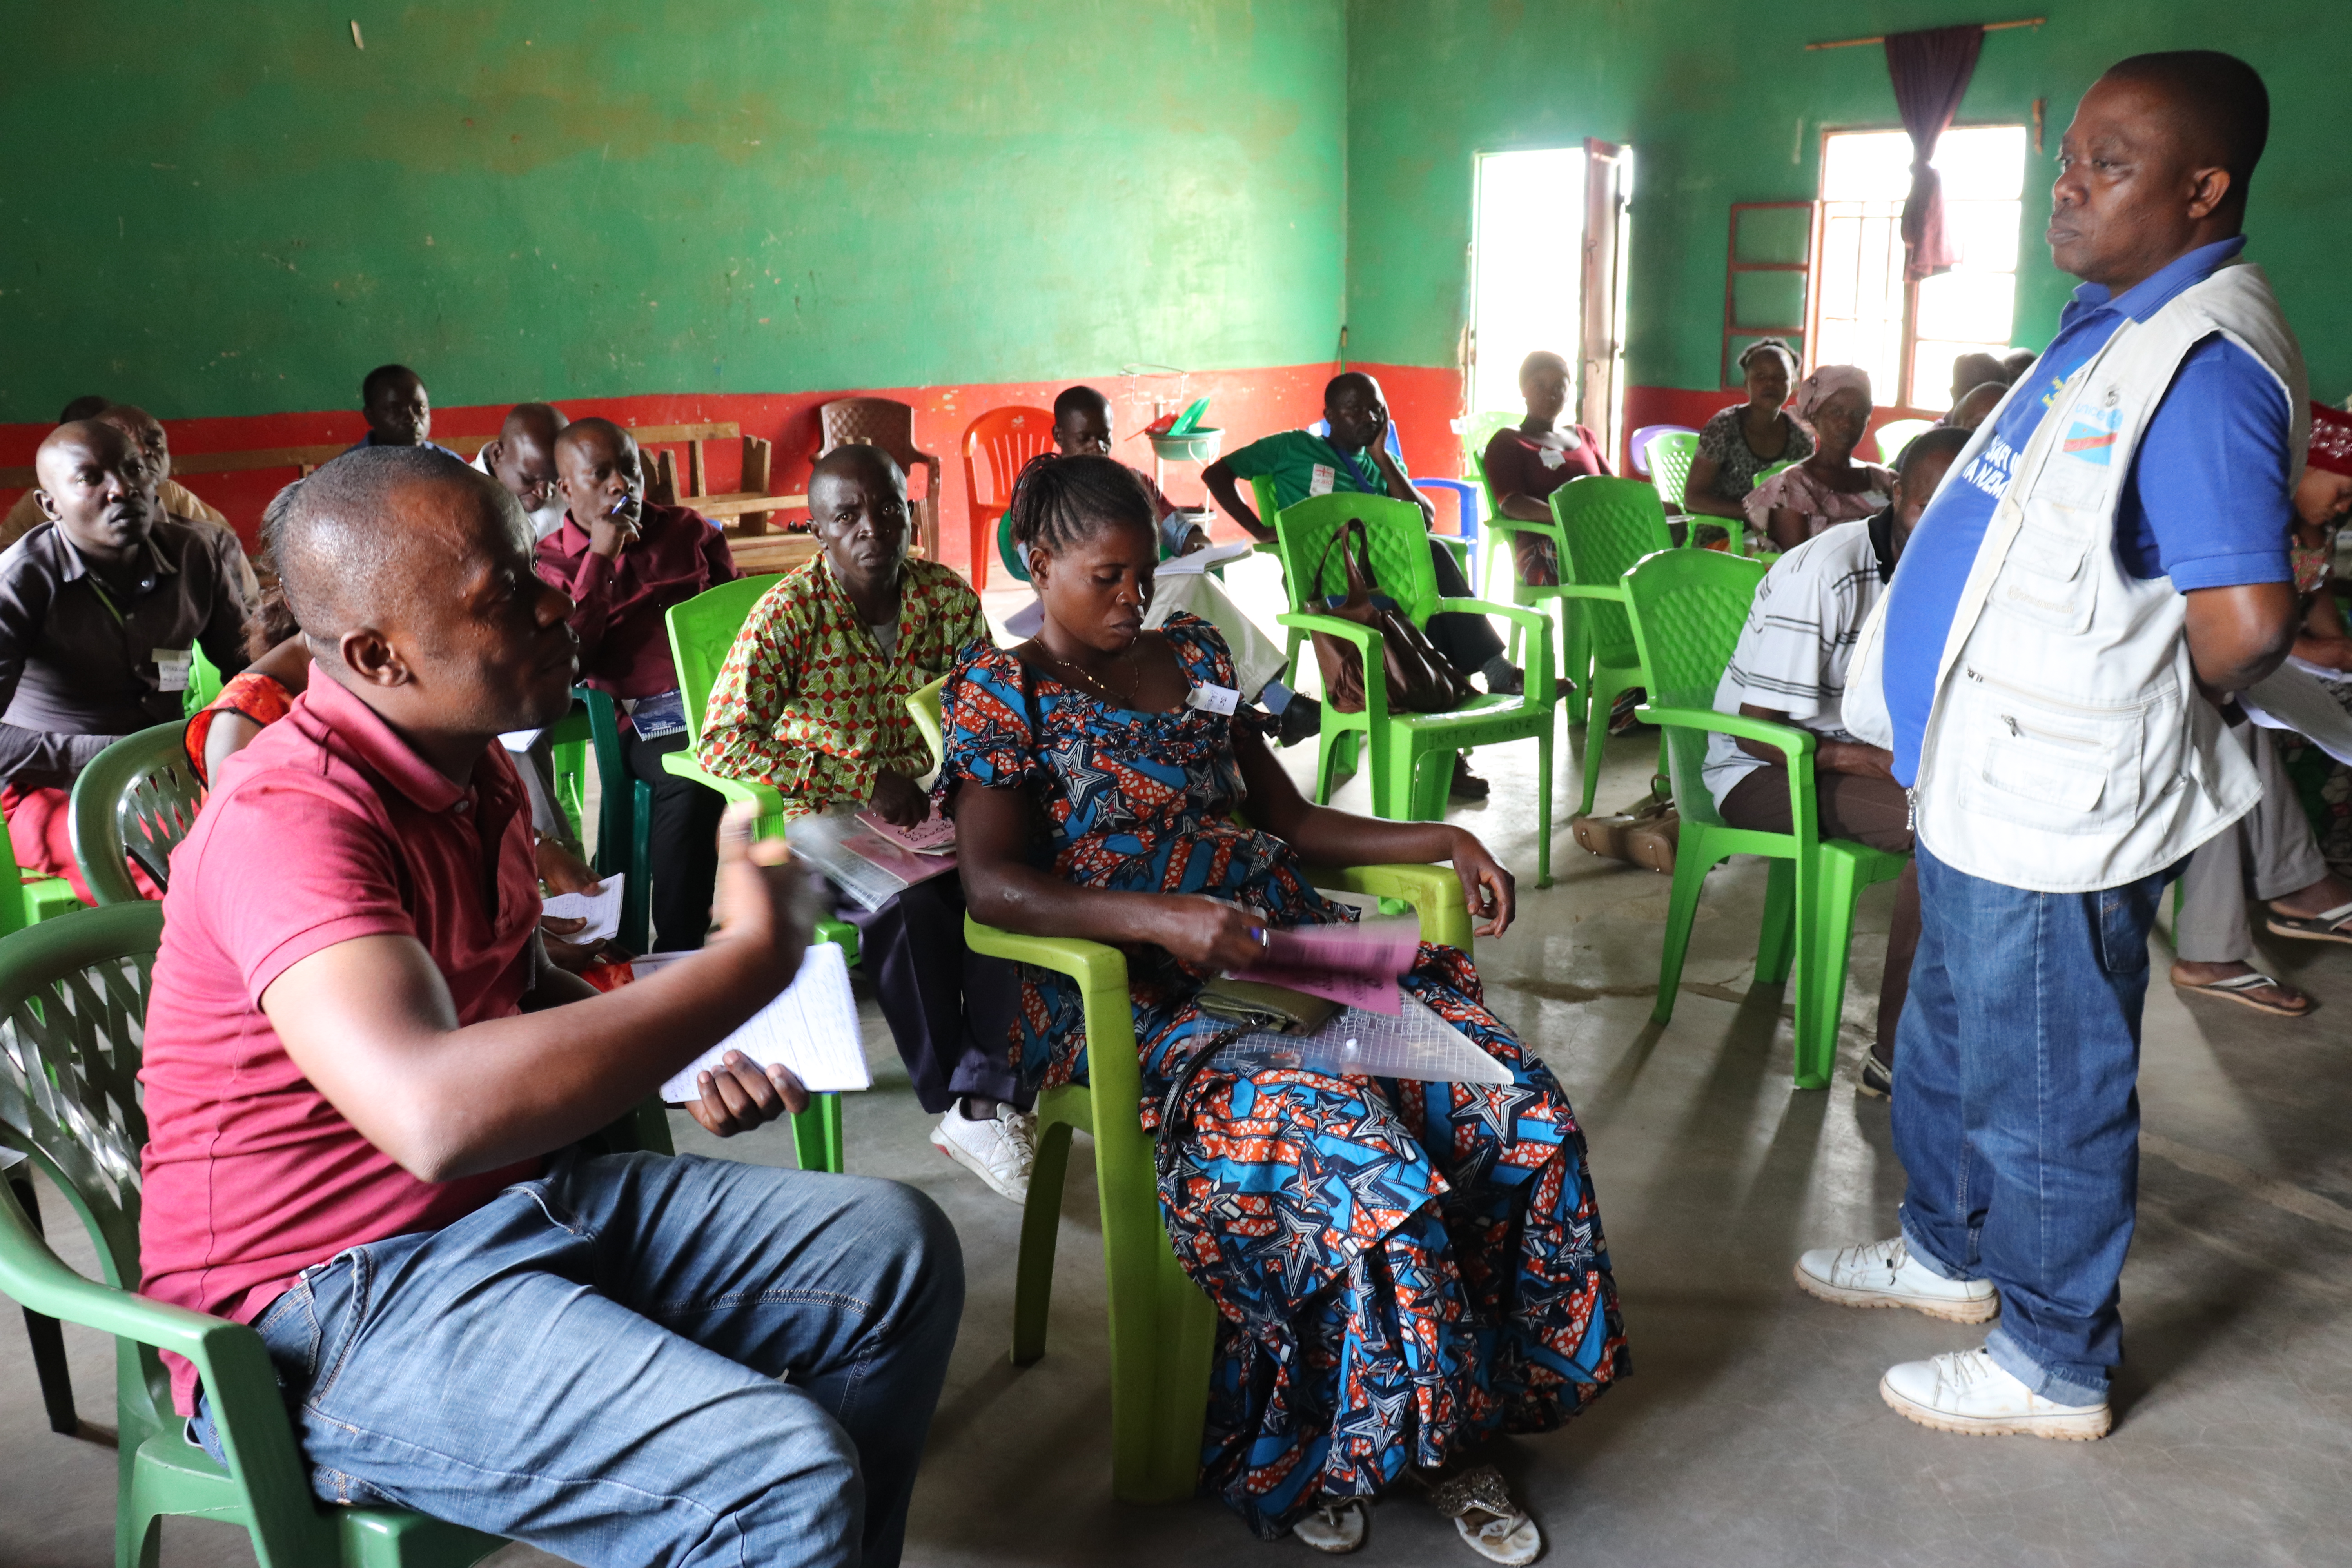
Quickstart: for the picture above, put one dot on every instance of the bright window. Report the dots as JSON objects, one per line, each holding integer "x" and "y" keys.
{"x": 1865, "y": 314}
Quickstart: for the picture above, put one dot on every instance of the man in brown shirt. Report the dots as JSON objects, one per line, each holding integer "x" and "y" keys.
{"x": 101, "y": 607}
{"x": 143, "y": 428}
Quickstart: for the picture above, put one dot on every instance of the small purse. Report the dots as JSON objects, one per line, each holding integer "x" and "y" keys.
{"x": 1417, "y": 677}
{"x": 1255, "y": 1005}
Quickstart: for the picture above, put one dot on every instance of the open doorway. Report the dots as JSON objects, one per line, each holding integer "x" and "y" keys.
{"x": 1548, "y": 229}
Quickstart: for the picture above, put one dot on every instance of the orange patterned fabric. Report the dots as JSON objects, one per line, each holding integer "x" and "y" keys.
{"x": 250, "y": 696}
{"x": 807, "y": 703}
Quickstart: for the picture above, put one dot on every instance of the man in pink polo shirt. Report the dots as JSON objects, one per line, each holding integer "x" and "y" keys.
{"x": 367, "y": 1091}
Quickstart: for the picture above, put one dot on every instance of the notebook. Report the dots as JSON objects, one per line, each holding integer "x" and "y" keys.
{"x": 811, "y": 1027}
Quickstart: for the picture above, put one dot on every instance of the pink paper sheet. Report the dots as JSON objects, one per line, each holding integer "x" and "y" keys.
{"x": 1356, "y": 965}
{"x": 935, "y": 835}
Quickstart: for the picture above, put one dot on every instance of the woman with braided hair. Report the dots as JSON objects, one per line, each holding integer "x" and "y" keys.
{"x": 1401, "y": 1270}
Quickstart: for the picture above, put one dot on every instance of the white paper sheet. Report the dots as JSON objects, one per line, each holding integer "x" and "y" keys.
{"x": 602, "y": 909}
{"x": 1201, "y": 560}
{"x": 2291, "y": 698}
{"x": 1415, "y": 1044}
{"x": 812, "y": 1029}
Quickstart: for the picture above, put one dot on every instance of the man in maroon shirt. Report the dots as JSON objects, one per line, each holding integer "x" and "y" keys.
{"x": 366, "y": 1091}
{"x": 626, "y": 561}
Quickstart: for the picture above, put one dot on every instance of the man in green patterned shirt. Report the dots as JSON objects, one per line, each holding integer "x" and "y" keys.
{"x": 813, "y": 702}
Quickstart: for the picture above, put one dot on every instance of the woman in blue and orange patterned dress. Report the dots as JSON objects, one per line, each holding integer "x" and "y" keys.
{"x": 1403, "y": 1269}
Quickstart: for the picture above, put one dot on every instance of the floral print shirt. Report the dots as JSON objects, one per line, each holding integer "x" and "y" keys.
{"x": 809, "y": 703}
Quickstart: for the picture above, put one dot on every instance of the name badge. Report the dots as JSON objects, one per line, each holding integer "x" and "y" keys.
{"x": 1326, "y": 476}
{"x": 1213, "y": 698}
{"x": 171, "y": 667}
{"x": 654, "y": 717}
{"x": 1553, "y": 458}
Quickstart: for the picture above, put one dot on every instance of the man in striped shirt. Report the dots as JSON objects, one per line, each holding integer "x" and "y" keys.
{"x": 1789, "y": 667}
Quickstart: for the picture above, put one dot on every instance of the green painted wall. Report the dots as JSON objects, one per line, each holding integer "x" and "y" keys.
{"x": 226, "y": 208}
{"x": 1711, "y": 92}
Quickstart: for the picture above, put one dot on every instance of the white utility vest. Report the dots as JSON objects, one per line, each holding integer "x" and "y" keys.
{"x": 2068, "y": 748}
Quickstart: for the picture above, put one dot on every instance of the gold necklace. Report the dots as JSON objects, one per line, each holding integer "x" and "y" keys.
{"x": 1128, "y": 659}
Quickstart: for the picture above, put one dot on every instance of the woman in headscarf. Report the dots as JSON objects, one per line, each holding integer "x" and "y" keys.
{"x": 1828, "y": 487}
{"x": 1747, "y": 438}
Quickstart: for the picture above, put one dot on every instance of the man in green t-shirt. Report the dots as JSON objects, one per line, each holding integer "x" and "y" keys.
{"x": 1355, "y": 458}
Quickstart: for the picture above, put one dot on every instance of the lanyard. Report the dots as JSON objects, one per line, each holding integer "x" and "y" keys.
{"x": 1363, "y": 481}
{"x": 105, "y": 598}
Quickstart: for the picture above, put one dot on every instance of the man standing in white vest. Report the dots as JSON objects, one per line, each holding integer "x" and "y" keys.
{"x": 2105, "y": 565}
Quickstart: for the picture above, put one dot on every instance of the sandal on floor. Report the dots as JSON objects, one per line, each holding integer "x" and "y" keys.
{"x": 1490, "y": 1524}
{"x": 2327, "y": 927}
{"x": 2240, "y": 989}
{"x": 1337, "y": 1527}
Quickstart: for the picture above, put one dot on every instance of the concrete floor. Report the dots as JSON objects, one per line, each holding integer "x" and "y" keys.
{"x": 1752, "y": 1431}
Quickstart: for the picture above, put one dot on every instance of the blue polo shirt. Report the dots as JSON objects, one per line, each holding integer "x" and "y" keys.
{"x": 2209, "y": 501}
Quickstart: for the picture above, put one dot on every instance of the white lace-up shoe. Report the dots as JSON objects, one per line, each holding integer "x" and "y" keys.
{"x": 999, "y": 1151}
{"x": 1966, "y": 1391}
{"x": 1885, "y": 1274}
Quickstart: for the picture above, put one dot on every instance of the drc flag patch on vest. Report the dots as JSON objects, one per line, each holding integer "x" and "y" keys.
{"x": 2092, "y": 437}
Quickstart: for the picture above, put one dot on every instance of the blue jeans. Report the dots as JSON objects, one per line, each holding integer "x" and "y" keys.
{"x": 636, "y": 1360}
{"x": 2016, "y": 1114}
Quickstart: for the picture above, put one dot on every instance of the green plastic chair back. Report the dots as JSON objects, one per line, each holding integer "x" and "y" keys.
{"x": 1898, "y": 434}
{"x": 74, "y": 995}
{"x": 1671, "y": 455}
{"x": 1605, "y": 525}
{"x": 1395, "y": 532}
{"x": 701, "y": 630}
{"x": 1688, "y": 607}
{"x": 1479, "y": 429}
{"x": 1693, "y": 606}
{"x": 136, "y": 798}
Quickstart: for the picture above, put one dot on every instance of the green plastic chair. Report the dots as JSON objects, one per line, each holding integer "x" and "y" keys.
{"x": 1546, "y": 600}
{"x": 1898, "y": 434}
{"x": 624, "y": 804}
{"x": 1671, "y": 453}
{"x": 1162, "y": 1329}
{"x": 74, "y": 993}
{"x": 37, "y": 898}
{"x": 1600, "y": 527}
{"x": 701, "y": 630}
{"x": 137, "y": 798}
{"x": 1687, "y": 608}
{"x": 1412, "y": 754}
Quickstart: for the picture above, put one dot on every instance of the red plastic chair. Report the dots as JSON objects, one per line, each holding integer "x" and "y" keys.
{"x": 1007, "y": 439}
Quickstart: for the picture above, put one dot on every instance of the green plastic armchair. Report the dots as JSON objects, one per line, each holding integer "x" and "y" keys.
{"x": 134, "y": 802}
{"x": 1411, "y": 754}
{"x": 74, "y": 993}
{"x": 1687, "y": 609}
{"x": 1600, "y": 527}
{"x": 1502, "y": 536}
{"x": 701, "y": 630}
{"x": 1162, "y": 1329}
{"x": 624, "y": 803}
{"x": 1671, "y": 453}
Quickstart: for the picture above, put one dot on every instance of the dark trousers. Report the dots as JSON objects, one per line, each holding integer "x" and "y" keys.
{"x": 950, "y": 1009}
{"x": 1466, "y": 641}
{"x": 683, "y": 848}
{"x": 1870, "y": 811}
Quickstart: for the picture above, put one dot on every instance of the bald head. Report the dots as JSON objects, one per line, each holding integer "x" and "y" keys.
{"x": 522, "y": 457}
{"x": 856, "y": 461}
{"x": 1976, "y": 405}
{"x": 377, "y": 532}
{"x": 1973, "y": 370}
{"x": 411, "y": 577}
{"x": 1081, "y": 422}
{"x": 1353, "y": 407}
{"x": 600, "y": 477}
{"x": 2218, "y": 106}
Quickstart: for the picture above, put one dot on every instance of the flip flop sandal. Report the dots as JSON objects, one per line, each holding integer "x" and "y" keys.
{"x": 1489, "y": 1522}
{"x": 1337, "y": 1528}
{"x": 2327, "y": 927}
{"x": 2239, "y": 988}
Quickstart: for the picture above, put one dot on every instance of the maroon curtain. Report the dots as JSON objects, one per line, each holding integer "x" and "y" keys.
{"x": 1931, "y": 70}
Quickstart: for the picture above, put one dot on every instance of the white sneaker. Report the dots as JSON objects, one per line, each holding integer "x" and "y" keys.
{"x": 1965, "y": 1392}
{"x": 998, "y": 1150}
{"x": 1885, "y": 1274}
